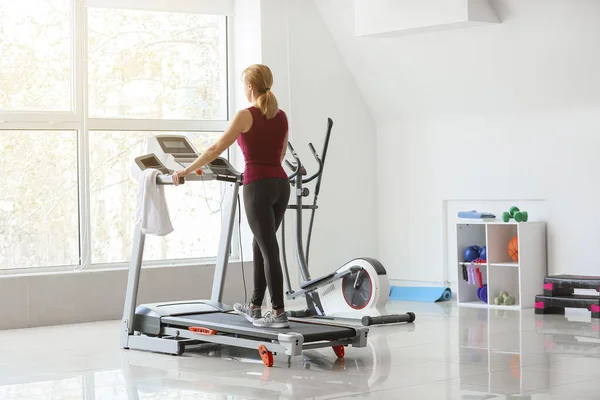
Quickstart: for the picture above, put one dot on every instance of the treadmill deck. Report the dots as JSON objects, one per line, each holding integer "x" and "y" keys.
{"x": 236, "y": 324}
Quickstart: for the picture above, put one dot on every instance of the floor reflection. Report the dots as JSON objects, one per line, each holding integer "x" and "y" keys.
{"x": 449, "y": 353}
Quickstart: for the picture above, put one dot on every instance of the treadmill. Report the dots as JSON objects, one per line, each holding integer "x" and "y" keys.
{"x": 172, "y": 326}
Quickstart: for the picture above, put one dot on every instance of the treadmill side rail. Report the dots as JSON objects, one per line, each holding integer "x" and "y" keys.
{"x": 153, "y": 344}
{"x": 291, "y": 348}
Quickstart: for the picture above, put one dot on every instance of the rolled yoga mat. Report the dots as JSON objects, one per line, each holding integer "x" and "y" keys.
{"x": 417, "y": 293}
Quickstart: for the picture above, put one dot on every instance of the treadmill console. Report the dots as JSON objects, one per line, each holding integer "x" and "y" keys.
{"x": 178, "y": 146}
{"x": 176, "y": 152}
{"x": 151, "y": 161}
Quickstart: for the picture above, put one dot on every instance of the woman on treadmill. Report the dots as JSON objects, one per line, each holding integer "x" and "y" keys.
{"x": 262, "y": 133}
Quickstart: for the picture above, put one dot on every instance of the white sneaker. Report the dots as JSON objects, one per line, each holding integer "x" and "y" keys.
{"x": 272, "y": 321}
{"x": 251, "y": 314}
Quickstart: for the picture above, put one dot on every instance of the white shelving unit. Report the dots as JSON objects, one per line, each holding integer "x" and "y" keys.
{"x": 522, "y": 280}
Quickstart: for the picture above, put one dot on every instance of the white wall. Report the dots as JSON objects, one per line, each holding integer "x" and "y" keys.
{"x": 322, "y": 86}
{"x": 506, "y": 111}
{"x": 246, "y": 50}
{"x": 389, "y": 18}
{"x": 312, "y": 83}
{"x": 66, "y": 298}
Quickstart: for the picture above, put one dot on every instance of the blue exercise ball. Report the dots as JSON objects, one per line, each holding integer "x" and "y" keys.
{"x": 471, "y": 253}
{"x": 483, "y": 253}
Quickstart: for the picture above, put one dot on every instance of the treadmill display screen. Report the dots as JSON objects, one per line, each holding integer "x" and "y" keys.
{"x": 153, "y": 162}
{"x": 176, "y": 146}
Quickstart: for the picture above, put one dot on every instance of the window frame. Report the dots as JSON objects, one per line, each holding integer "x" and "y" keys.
{"x": 78, "y": 120}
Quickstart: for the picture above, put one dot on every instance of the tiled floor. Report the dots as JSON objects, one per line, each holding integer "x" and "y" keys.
{"x": 449, "y": 353}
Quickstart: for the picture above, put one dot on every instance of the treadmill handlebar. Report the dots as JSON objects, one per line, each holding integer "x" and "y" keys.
{"x": 164, "y": 179}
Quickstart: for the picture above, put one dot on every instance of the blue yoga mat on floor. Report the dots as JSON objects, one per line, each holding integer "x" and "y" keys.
{"x": 417, "y": 293}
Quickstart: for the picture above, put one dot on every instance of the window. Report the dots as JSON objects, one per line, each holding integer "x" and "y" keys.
{"x": 82, "y": 85}
{"x": 36, "y": 58}
{"x": 38, "y": 199}
{"x": 156, "y": 65}
{"x": 194, "y": 209}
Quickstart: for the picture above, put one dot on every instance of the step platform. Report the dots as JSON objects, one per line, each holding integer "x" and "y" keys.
{"x": 556, "y": 305}
{"x": 565, "y": 285}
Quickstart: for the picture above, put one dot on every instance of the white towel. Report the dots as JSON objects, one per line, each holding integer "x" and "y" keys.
{"x": 151, "y": 213}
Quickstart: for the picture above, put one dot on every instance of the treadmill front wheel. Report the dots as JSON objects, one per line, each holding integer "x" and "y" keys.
{"x": 265, "y": 355}
{"x": 339, "y": 351}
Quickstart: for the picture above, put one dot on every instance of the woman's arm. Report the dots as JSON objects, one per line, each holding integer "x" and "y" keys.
{"x": 241, "y": 123}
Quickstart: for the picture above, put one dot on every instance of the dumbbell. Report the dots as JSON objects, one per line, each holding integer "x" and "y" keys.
{"x": 504, "y": 299}
{"x": 514, "y": 212}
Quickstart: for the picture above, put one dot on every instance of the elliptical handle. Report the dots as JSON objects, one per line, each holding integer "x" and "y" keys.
{"x": 312, "y": 148}
{"x": 298, "y": 167}
{"x": 294, "y": 154}
{"x": 291, "y": 166}
{"x": 314, "y": 152}
{"x": 317, "y": 174}
{"x": 324, "y": 153}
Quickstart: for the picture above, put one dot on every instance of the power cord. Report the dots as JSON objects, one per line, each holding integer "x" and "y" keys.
{"x": 206, "y": 196}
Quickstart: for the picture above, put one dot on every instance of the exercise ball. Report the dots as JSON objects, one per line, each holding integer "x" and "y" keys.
{"x": 513, "y": 248}
{"x": 470, "y": 254}
{"x": 483, "y": 253}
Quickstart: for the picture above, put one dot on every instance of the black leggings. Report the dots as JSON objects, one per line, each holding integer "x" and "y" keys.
{"x": 266, "y": 201}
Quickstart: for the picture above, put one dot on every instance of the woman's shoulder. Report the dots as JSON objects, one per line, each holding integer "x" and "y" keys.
{"x": 245, "y": 117}
{"x": 282, "y": 114}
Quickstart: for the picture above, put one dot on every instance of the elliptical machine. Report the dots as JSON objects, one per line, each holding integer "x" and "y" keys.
{"x": 357, "y": 290}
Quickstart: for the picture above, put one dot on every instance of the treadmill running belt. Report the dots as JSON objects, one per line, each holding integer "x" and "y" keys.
{"x": 234, "y": 323}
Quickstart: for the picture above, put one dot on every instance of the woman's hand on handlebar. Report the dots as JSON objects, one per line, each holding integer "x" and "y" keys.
{"x": 182, "y": 173}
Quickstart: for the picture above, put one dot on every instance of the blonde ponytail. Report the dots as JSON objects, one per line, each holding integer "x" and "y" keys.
{"x": 267, "y": 104}
{"x": 261, "y": 78}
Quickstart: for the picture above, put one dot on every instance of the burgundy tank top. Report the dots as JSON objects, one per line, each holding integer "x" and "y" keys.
{"x": 262, "y": 146}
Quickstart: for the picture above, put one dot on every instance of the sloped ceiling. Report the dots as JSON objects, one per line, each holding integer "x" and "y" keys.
{"x": 542, "y": 57}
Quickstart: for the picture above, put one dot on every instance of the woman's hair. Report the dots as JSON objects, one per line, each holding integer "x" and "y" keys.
{"x": 261, "y": 78}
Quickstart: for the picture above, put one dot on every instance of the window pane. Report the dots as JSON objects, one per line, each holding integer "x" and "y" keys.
{"x": 38, "y": 199}
{"x": 193, "y": 208}
{"x": 156, "y": 65}
{"x": 35, "y": 55}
